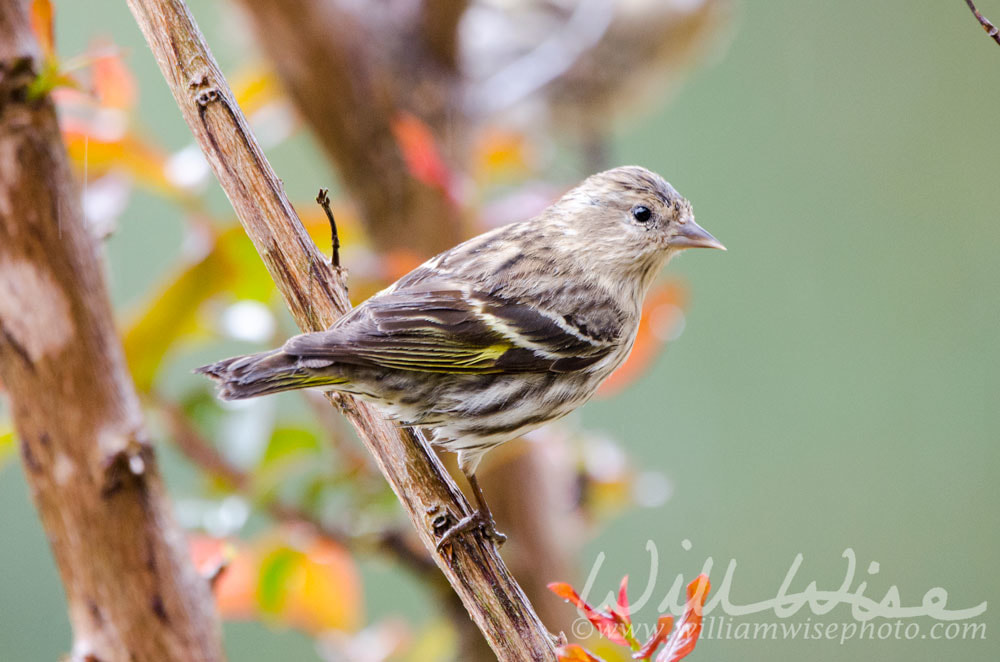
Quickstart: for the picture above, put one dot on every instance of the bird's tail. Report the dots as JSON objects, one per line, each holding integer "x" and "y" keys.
{"x": 261, "y": 374}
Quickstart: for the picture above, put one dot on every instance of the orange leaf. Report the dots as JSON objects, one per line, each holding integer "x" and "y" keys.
{"x": 611, "y": 624}
{"x": 235, "y": 589}
{"x": 42, "y": 24}
{"x": 697, "y": 594}
{"x": 663, "y": 626}
{"x": 500, "y": 152}
{"x": 616, "y": 627}
{"x": 317, "y": 587}
{"x": 99, "y": 154}
{"x": 419, "y": 149}
{"x": 325, "y": 593}
{"x": 114, "y": 84}
{"x": 575, "y": 653}
{"x": 623, "y": 600}
{"x": 398, "y": 262}
{"x": 255, "y": 86}
{"x": 566, "y": 592}
{"x": 684, "y": 638}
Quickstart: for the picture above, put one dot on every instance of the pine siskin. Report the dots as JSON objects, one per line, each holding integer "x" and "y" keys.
{"x": 501, "y": 334}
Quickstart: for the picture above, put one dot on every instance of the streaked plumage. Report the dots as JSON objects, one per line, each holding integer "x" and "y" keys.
{"x": 503, "y": 333}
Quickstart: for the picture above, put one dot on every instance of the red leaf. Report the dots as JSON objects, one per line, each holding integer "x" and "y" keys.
{"x": 114, "y": 84}
{"x": 610, "y": 624}
{"x": 663, "y": 626}
{"x": 566, "y": 592}
{"x": 689, "y": 627}
{"x": 419, "y": 149}
{"x": 616, "y": 624}
{"x": 623, "y": 600}
{"x": 576, "y": 653}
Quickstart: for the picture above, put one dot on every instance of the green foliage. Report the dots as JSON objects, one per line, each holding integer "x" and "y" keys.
{"x": 275, "y": 569}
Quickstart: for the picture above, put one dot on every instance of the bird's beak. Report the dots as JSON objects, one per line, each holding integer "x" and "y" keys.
{"x": 692, "y": 235}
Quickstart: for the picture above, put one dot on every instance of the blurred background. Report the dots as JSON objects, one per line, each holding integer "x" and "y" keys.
{"x": 831, "y": 382}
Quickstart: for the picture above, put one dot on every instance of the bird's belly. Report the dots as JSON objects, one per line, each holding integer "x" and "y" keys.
{"x": 495, "y": 408}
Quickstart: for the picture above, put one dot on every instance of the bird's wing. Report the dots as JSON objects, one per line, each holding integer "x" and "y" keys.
{"x": 441, "y": 325}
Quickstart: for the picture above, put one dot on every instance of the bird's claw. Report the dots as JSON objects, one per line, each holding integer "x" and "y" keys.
{"x": 490, "y": 531}
{"x": 470, "y": 523}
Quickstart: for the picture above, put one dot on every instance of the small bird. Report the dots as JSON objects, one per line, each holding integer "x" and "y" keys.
{"x": 501, "y": 334}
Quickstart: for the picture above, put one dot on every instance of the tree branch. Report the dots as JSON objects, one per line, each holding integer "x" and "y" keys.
{"x": 132, "y": 591}
{"x": 439, "y": 21}
{"x": 991, "y": 29}
{"x": 316, "y": 296}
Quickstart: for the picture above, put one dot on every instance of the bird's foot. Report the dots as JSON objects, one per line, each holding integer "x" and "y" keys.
{"x": 490, "y": 531}
{"x": 476, "y": 520}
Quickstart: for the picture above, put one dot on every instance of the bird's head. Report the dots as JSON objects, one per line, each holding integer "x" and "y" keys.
{"x": 632, "y": 217}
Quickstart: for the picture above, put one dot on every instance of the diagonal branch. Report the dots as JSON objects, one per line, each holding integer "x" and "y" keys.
{"x": 991, "y": 29}
{"x": 316, "y": 296}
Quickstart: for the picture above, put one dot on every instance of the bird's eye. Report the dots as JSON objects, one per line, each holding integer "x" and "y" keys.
{"x": 642, "y": 214}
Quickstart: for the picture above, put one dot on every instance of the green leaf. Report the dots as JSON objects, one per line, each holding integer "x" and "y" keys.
{"x": 172, "y": 314}
{"x": 288, "y": 442}
{"x": 275, "y": 569}
{"x": 290, "y": 456}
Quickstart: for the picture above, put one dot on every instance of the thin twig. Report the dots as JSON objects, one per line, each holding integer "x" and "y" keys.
{"x": 991, "y": 29}
{"x": 214, "y": 572}
{"x": 323, "y": 198}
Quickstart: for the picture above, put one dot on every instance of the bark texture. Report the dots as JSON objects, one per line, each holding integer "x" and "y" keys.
{"x": 316, "y": 294}
{"x": 132, "y": 591}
